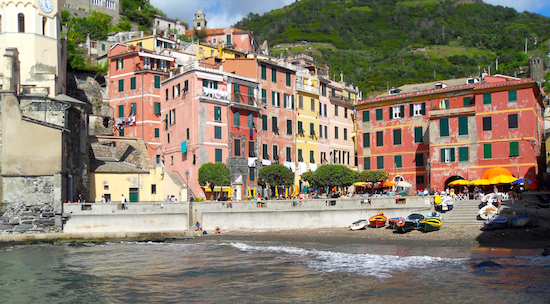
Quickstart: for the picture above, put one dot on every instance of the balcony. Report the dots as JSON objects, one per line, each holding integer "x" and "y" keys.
{"x": 214, "y": 94}
{"x": 341, "y": 99}
{"x": 245, "y": 101}
{"x": 435, "y": 113}
{"x": 307, "y": 88}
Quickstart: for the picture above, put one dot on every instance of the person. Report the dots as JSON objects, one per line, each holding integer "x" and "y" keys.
{"x": 167, "y": 200}
{"x": 108, "y": 201}
{"x": 123, "y": 201}
{"x": 103, "y": 199}
{"x": 198, "y": 226}
{"x": 81, "y": 199}
{"x": 466, "y": 194}
{"x": 218, "y": 230}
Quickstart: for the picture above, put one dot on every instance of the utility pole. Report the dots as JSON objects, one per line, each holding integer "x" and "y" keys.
{"x": 526, "y": 46}
{"x": 496, "y": 65}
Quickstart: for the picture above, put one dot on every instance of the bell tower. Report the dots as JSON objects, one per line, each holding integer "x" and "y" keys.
{"x": 199, "y": 22}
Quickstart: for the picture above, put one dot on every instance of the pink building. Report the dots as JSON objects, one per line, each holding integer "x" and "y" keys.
{"x": 230, "y": 37}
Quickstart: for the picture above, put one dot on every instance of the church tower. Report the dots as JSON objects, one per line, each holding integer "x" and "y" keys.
{"x": 199, "y": 22}
{"x": 33, "y": 27}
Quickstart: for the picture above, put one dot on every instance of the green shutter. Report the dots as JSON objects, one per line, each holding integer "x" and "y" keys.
{"x": 379, "y": 139}
{"x": 252, "y": 173}
{"x": 366, "y": 162}
{"x": 274, "y": 75}
{"x": 218, "y": 155}
{"x": 463, "y": 125}
{"x": 117, "y": 65}
{"x": 217, "y": 113}
{"x": 467, "y": 101}
{"x": 205, "y": 83}
{"x": 379, "y": 114}
{"x": 166, "y": 121}
{"x": 133, "y": 83}
{"x": 121, "y": 85}
{"x": 442, "y": 159}
{"x": 157, "y": 132}
{"x": 264, "y": 96}
{"x": 273, "y": 99}
{"x": 292, "y": 101}
{"x": 514, "y": 149}
{"x": 288, "y": 79}
{"x": 264, "y": 72}
{"x": 487, "y": 151}
{"x": 236, "y": 118}
{"x": 487, "y": 98}
{"x": 250, "y": 95}
{"x": 512, "y": 95}
{"x": 237, "y": 147}
{"x": 284, "y": 100}
{"x": 335, "y": 132}
{"x": 311, "y": 129}
{"x": 398, "y": 161}
{"x": 411, "y": 110}
{"x": 380, "y": 162}
{"x": 157, "y": 82}
{"x": 366, "y": 116}
{"x": 397, "y": 136}
{"x": 423, "y": 108}
{"x": 402, "y": 112}
{"x": 453, "y": 158}
{"x": 251, "y": 120}
{"x": 366, "y": 140}
{"x": 390, "y": 112}
{"x": 418, "y": 134}
{"x": 300, "y": 127}
{"x": 121, "y": 111}
{"x": 443, "y": 127}
{"x": 217, "y": 132}
{"x": 463, "y": 154}
{"x": 157, "y": 108}
{"x": 133, "y": 108}
{"x": 228, "y": 38}
{"x": 121, "y": 132}
{"x": 122, "y": 64}
{"x": 300, "y": 158}
{"x": 345, "y": 134}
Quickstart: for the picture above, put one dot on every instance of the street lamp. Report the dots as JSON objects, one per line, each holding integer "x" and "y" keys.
{"x": 187, "y": 176}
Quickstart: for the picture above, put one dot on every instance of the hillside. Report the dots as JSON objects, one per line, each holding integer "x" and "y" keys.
{"x": 381, "y": 43}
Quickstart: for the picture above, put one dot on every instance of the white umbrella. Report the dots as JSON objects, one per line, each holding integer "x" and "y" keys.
{"x": 404, "y": 184}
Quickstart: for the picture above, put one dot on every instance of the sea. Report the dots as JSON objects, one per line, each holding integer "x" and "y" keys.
{"x": 217, "y": 271}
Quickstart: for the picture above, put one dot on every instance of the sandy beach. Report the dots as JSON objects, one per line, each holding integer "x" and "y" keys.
{"x": 447, "y": 236}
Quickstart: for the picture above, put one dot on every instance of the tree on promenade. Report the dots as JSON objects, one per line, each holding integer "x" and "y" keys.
{"x": 275, "y": 176}
{"x": 330, "y": 176}
{"x": 372, "y": 176}
{"x": 213, "y": 175}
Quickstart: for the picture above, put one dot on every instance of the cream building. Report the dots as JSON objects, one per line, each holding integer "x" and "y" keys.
{"x": 33, "y": 27}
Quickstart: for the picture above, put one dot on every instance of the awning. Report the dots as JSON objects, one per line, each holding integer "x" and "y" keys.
{"x": 214, "y": 77}
{"x": 227, "y": 189}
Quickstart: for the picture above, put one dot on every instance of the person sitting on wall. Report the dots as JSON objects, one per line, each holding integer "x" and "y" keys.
{"x": 218, "y": 230}
{"x": 198, "y": 226}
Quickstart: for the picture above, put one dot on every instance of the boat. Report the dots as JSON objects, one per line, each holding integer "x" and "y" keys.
{"x": 447, "y": 204}
{"x": 520, "y": 221}
{"x": 434, "y": 214}
{"x": 430, "y": 224}
{"x": 358, "y": 225}
{"x": 543, "y": 202}
{"x": 410, "y": 223}
{"x": 490, "y": 199}
{"x": 392, "y": 222}
{"x": 497, "y": 222}
{"x": 488, "y": 212}
{"x": 378, "y": 220}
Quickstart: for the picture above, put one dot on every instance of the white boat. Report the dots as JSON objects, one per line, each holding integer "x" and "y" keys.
{"x": 358, "y": 225}
{"x": 488, "y": 212}
{"x": 520, "y": 221}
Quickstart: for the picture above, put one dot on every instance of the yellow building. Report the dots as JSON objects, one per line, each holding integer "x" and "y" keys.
{"x": 126, "y": 169}
{"x": 307, "y": 119}
{"x": 152, "y": 43}
{"x": 220, "y": 53}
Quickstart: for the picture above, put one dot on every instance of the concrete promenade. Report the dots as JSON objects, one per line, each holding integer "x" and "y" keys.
{"x": 95, "y": 236}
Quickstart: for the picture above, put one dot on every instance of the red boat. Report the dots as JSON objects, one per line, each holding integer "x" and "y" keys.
{"x": 378, "y": 221}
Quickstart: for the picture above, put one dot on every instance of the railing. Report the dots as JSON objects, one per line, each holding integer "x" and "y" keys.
{"x": 245, "y": 99}
{"x": 215, "y": 94}
{"x": 342, "y": 98}
{"x": 307, "y": 88}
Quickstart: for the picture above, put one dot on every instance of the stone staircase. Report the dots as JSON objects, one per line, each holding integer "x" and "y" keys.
{"x": 463, "y": 214}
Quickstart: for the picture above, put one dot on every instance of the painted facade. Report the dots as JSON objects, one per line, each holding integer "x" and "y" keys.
{"x": 153, "y": 42}
{"x": 430, "y": 133}
{"x": 134, "y": 90}
{"x": 37, "y": 36}
{"x": 230, "y": 38}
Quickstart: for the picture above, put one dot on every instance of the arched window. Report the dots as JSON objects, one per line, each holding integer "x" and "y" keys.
{"x": 44, "y": 26}
{"x": 21, "y": 19}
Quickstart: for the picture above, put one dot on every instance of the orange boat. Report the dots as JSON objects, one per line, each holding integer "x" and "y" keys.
{"x": 378, "y": 221}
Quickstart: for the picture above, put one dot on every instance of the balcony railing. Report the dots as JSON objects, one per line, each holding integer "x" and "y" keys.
{"x": 245, "y": 99}
{"x": 342, "y": 98}
{"x": 307, "y": 88}
{"x": 215, "y": 94}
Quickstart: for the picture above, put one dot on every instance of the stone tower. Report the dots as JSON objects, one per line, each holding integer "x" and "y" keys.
{"x": 199, "y": 22}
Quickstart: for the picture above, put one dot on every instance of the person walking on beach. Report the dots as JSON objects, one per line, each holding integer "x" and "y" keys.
{"x": 123, "y": 201}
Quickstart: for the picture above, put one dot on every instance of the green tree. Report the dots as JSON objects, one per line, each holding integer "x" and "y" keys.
{"x": 213, "y": 175}
{"x": 372, "y": 176}
{"x": 308, "y": 177}
{"x": 330, "y": 176}
{"x": 275, "y": 176}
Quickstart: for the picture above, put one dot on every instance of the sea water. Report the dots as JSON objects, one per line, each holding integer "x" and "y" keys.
{"x": 213, "y": 271}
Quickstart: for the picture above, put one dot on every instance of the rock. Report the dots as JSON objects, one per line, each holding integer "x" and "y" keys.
{"x": 487, "y": 264}
{"x": 546, "y": 251}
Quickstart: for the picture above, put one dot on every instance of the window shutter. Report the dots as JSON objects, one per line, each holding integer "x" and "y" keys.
{"x": 117, "y": 65}
{"x": 292, "y": 102}
{"x": 157, "y": 108}
{"x": 278, "y": 99}
{"x": 442, "y": 160}
{"x": 418, "y": 134}
{"x": 157, "y": 133}
{"x": 487, "y": 153}
{"x": 402, "y": 113}
{"x": 133, "y": 108}
{"x": 514, "y": 149}
{"x": 391, "y": 112}
{"x": 366, "y": 140}
{"x": 467, "y": 101}
{"x": 236, "y": 118}
{"x": 487, "y": 98}
{"x": 453, "y": 154}
{"x": 133, "y": 83}
{"x": 121, "y": 111}
{"x": 444, "y": 127}
{"x": 284, "y": 100}
{"x": 411, "y": 110}
{"x": 166, "y": 121}
{"x": 273, "y": 102}
{"x": 366, "y": 116}
{"x": 463, "y": 154}
{"x": 423, "y": 108}
{"x": 215, "y": 85}
{"x": 463, "y": 125}
{"x": 366, "y": 161}
{"x": 157, "y": 82}
{"x": 512, "y": 95}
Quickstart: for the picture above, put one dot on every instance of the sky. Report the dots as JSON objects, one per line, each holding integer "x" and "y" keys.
{"x": 224, "y": 13}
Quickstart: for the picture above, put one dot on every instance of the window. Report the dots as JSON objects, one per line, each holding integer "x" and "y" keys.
{"x": 288, "y": 83}
{"x": 300, "y": 102}
{"x": 398, "y": 161}
{"x": 447, "y": 155}
{"x": 396, "y": 137}
{"x": 379, "y": 114}
{"x": 320, "y": 109}
{"x": 335, "y": 132}
{"x": 121, "y": 111}
{"x": 514, "y": 149}
{"x": 217, "y": 132}
{"x": 320, "y": 131}
{"x": 418, "y": 135}
{"x": 133, "y": 83}
{"x": 218, "y": 155}
{"x": 345, "y": 112}
{"x": 467, "y": 101}
{"x": 326, "y": 131}
{"x": 379, "y": 138}
{"x": 157, "y": 108}
{"x": 289, "y": 101}
{"x": 366, "y": 140}
{"x": 312, "y": 129}
{"x": 264, "y": 97}
{"x": 121, "y": 85}
{"x": 273, "y": 75}
{"x": 300, "y": 128}
{"x": 274, "y": 125}
{"x": 487, "y": 98}
{"x": 110, "y": 4}
{"x": 237, "y": 147}
{"x": 323, "y": 157}
{"x": 264, "y": 151}
{"x": 157, "y": 132}
{"x": 121, "y": 132}
{"x": 397, "y": 112}
{"x": 418, "y": 109}
{"x": 186, "y": 86}
{"x": 443, "y": 104}
{"x": 157, "y": 82}
{"x": 288, "y": 154}
{"x": 275, "y": 99}
{"x": 158, "y": 159}
{"x": 345, "y": 134}
{"x": 312, "y": 105}
{"x": 366, "y": 163}
{"x": 228, "y": 38}
{"x": 336, "y": 110}
{"x": 21, "y": 23}
{"x": 443, "y": 127}
{"x": 236, "y": 118}
{"x": 187, "y": 133}
{"x": 264, "y": 122}
{"x": 463, "y": 125}
{"x": 366, "y": 116}
{"x": 487, "y": 153}
{"x": 300, "y": 158}
{"x": 512, "y": 95}
{"x": 312, "y": 157}
{"x": 325, "y": 114}
{"x": 172, "y": 116}
{"x": 168, "y": 137}
{"x": 420, "y": 180}
{"x": 250, "y": 95}
{"x": 264, "y": 72}
{"x": 167, "y": 95}
{"x": 44, "y": 21}
{"x": 275, "y": 152}
{"x": 463, "y": 154}
{"x": 217, "y": 113}
{"x": 513, "y": 121}
{"x": 289, "y": 126}
{"x": 252, "y": 174}
{"x": 419, "y": 160}
{"x": 487, "y": 124}
{"x": 153, "y": 189}
{"x": 250, "y": 120}
{"x": 380, "y": 162}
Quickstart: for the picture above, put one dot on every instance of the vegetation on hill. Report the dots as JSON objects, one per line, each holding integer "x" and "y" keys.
{"x": 381, "y": 43}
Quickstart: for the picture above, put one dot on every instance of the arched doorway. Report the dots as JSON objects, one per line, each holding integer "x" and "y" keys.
{"x": 452, "y": 179}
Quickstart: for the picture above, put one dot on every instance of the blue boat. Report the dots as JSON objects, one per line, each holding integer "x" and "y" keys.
{"x": 520, "y": 221}
{"x": 410, "y": 223}
{"x": 497, "y": 222}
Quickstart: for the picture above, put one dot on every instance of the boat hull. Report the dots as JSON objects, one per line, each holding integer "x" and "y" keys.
{"x": 358, "y": 225}
{"x": 497, "y": 222}
{"x": 488, "y": 212}
{"x": 377, "y": 221}
{"x": 430, "y": 224}
{"x": 520, "y": 221}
